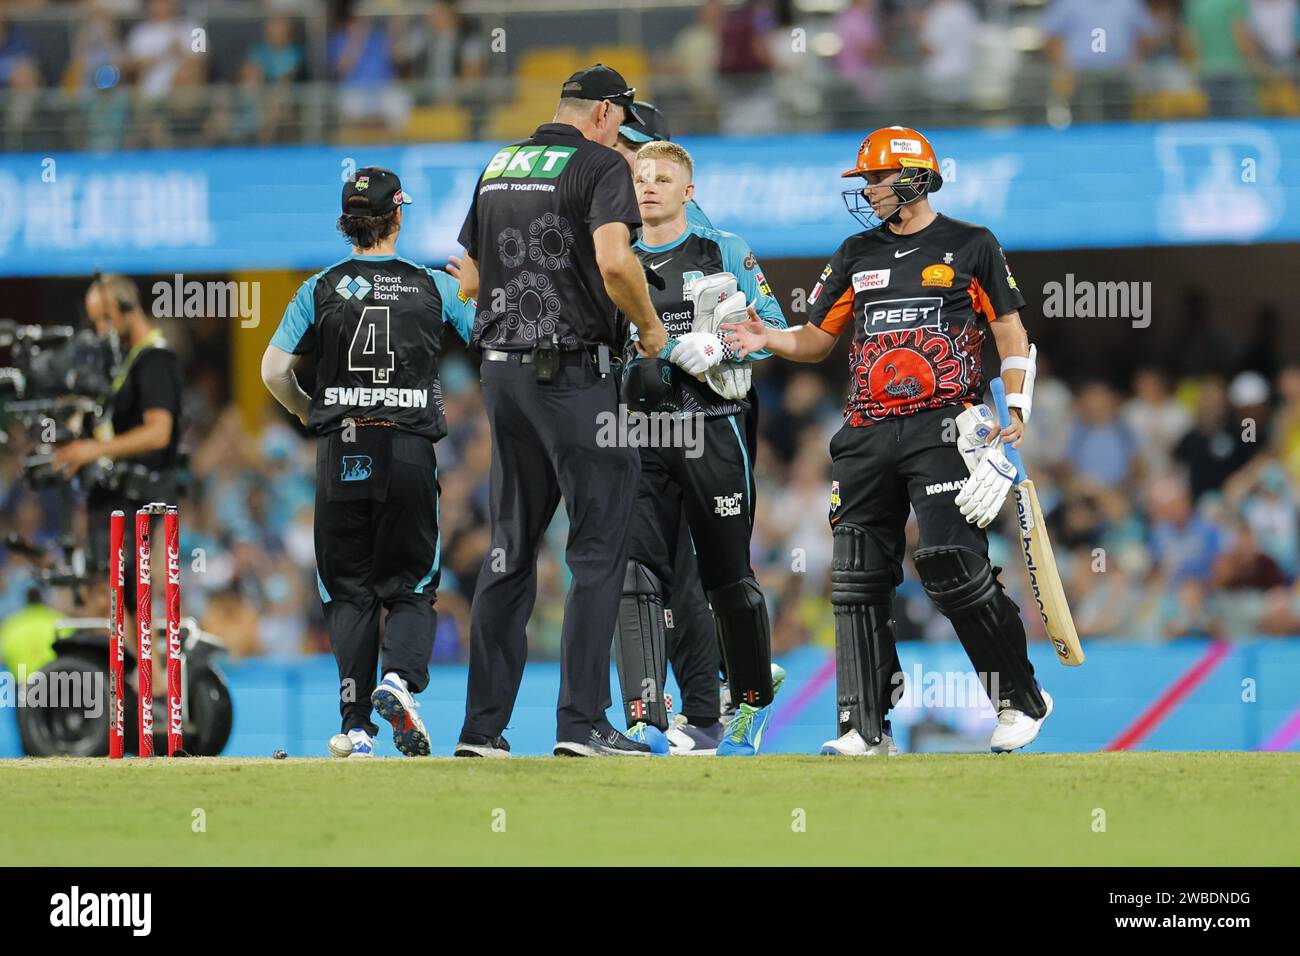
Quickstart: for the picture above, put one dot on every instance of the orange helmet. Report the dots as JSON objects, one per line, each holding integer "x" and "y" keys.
{"x": 894, "y": 147}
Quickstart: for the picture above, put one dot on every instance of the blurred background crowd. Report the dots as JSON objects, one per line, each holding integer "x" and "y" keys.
{"x": 1170, "y": 487}
{"x": 108, "y": 74}
{"x": 1171, "y": 505}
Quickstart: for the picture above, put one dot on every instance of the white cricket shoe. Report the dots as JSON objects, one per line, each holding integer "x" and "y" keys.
{"x": 363, "y": 746}
{"x": 1017, "y": 729}
{"x": 853, "y": 744}
{"x": 394, "y": 702}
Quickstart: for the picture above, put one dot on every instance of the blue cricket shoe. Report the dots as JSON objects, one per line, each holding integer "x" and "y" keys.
{"x": 744, "y": 733}
{"x": 652, "y": 737}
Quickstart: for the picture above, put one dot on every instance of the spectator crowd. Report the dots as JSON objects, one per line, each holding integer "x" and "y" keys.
{"x": 105, "y": 74}
{"x": 1172, "y": 506}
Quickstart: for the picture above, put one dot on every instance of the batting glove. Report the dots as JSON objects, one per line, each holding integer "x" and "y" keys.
{"x": 982, "y": 495}
{"x": 697, "y": 352}
{"x": 976, "y": 430}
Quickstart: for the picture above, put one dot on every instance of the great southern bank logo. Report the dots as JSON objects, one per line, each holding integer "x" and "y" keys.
{"x": 350, "y": 286}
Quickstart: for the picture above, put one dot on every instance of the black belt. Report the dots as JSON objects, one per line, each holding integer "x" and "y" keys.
{"x": 573, "y": 357}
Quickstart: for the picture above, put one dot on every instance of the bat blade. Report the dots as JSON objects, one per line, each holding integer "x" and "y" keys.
{"x": 1044, "y": 577}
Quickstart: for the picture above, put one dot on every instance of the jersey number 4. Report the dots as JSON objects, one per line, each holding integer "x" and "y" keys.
{"x": 369, "y": 351}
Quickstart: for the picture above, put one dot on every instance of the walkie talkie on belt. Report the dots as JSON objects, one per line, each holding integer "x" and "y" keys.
{"x": 546, "y": 358}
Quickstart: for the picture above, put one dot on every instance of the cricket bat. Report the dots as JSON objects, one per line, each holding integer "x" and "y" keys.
{"x": 1036, "y": 549}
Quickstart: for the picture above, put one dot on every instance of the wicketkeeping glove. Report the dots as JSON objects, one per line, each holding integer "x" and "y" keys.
{"x": 981, "y": 497}
{"x": 730, "y": 378}
{"x": 697, "y": 352}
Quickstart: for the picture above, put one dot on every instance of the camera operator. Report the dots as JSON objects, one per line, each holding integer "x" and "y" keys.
{"x": 146, "y": 405}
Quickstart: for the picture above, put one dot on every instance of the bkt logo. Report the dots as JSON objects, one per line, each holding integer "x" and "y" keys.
{"x": 728, "y": 506}
{"x": 350, "y": 286}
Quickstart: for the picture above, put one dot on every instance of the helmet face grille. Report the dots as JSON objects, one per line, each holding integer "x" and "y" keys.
{"x": 913, "y": 183}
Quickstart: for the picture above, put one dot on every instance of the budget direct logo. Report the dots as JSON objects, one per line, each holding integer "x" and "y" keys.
{"x": 535, "y": 162}
{"x": 871, "y": 279}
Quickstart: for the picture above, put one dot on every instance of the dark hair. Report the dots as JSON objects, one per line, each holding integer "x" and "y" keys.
{"x": 366, "y": 231}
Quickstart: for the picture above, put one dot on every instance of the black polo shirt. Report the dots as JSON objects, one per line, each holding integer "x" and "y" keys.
{"x": 529, "y": 229}
{"x": 151, "y": 379}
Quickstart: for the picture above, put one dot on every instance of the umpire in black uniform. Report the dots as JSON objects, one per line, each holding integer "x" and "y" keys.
{"x": 549, "y": 259}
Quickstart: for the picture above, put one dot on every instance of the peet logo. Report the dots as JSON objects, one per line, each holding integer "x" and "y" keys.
{"x": 902, "y": 313}
{"x": 537, "y": 162}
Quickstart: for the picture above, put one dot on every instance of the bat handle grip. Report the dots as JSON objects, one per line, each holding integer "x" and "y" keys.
{"x": 999, "y": 391}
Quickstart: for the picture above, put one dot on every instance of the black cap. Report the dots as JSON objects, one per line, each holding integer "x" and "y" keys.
{"x": 649, "y": 386}
{"x": 599, "y": 82}
{"x": 379, "y": 187}
{"x": 649, "y": 126}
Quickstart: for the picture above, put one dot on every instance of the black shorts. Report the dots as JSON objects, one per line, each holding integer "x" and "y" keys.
{"x": 376, "y": 515}
{"x": 715, "y": 490}
{"x": 881, "y": 472}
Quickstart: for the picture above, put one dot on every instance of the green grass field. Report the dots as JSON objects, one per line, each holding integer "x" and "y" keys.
{"x": 1159, "y": 808}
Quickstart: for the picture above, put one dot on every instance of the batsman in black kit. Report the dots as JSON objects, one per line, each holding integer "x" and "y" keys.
{"x": 373, "y": 322}
{"x": 920, "y": 292}
{"x": 704, "y": 470}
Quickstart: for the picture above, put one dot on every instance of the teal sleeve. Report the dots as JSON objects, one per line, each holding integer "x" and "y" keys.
{"x": 298, "y": 318}
{"x": 457, "y": 310}
{"x": 740, "y": 261}
{"x": 695, "y": 216}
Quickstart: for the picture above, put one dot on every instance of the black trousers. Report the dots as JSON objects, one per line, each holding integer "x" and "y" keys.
{"x": 691, "y": 526}
{"x": 713, "y": 491}
{"x": 550, "y": 441}
{"x": 377, "y": 549}
{"x": 881, "y": 472}
{"x": 692, "y": 641}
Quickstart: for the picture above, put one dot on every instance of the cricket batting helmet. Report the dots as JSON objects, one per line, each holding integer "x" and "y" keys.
{"x": 894, "y": 148}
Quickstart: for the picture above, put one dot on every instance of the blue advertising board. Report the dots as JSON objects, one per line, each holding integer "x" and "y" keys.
{"x": 1181, "y": 695}
{"x": 1114, "y": 185}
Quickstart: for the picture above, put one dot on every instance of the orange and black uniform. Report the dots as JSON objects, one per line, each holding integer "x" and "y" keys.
{"x": 918, "y": 306}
